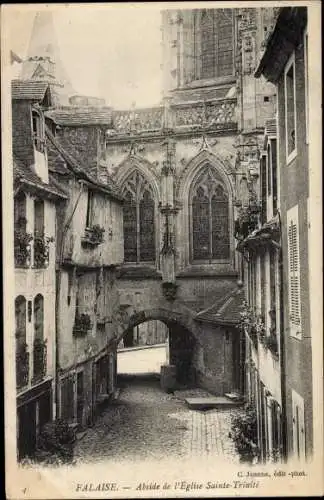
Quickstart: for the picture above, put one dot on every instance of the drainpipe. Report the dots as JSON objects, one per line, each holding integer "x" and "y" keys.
{"x": 58, "y": 288}
{"x": 282, "y": 353}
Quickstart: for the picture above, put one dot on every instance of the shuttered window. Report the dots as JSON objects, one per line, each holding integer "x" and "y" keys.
{"x": 294, "y": 272}
{"x": 290, "y": 110}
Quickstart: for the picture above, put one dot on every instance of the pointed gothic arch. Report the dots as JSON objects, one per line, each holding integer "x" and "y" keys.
{"x": 213, "y": 43}
{"x": 209, "y": 218}
{"x": 222, "y": 204}
{"x": 139, "y": 219}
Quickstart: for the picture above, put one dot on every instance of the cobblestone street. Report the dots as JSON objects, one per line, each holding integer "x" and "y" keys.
{"x": 146, "y": 423}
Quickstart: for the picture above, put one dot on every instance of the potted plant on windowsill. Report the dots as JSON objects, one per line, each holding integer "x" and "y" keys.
{"x": 247, "y": 220}
{"x": 271, "y": 342}
{"x": 41, "y": 250}
{"x": 93, "y": 236}
{"x": 251, "y": 323}
{"x": 22, "y": 248}
{"x": 245, "y": 435}
{"x": 56, "y": 443}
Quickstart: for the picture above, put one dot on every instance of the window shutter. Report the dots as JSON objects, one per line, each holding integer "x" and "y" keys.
{"x": 294, "y": 272}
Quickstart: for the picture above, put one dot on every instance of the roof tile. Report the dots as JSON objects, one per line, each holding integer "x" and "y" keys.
{"x": 77, "y": 116}
{"x": 225, "y": 311}
{"x": 33, "y": 90}
{"x": 66, "y": 155}
{"x": 24, "y": 173}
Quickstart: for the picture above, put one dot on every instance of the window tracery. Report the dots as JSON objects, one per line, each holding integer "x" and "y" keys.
{"x": 214, "y": 43}
{"x": 209, "y": 218}
{"x": 139, "y": 220}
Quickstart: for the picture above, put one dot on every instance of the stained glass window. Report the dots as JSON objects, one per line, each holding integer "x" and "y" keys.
{"x": 139, "y": 225}
{"x": 210, "y": 219}
{"x": 215, "y": 29}
{"x": 207, "y": 44}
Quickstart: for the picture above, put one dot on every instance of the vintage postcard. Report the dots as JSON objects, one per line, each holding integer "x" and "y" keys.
{"x": 162, "y": 249}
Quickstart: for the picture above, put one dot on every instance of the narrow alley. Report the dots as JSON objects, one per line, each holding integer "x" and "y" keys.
{"x": 144, "y": 422}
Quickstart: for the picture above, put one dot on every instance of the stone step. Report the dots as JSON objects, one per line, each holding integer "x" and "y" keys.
{"x": 208, "y": 403}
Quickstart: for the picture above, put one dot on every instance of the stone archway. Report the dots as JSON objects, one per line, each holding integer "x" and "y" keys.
{"x": 182, "y": 339}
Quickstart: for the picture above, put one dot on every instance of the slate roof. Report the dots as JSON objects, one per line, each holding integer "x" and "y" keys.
{"x": 81, "y": 116}
{"x": 33, "y": 90}
{"x": 226, "y": 311}
{"x": 24, "y": 174}
{"x": 63, "y": 159}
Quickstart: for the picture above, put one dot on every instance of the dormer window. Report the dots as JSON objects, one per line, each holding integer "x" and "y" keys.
{"x": 38, "y": 131}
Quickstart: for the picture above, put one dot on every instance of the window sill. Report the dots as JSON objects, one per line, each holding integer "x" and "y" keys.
{"x": 87, "y": 242}
{"x": 140, "y": 271}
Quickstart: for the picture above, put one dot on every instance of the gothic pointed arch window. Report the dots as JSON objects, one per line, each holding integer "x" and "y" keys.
{"x": 209, "y": 219}
{"x": 139, "y": 220}
{"x": 214, "y": 43}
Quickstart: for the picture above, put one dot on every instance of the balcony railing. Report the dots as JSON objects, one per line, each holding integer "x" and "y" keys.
{"x": 212, "y": 115}
{"x": 22, "y": 365}
{"x": 39, "y": 360}
{"x": 138, "y": 120}
{"x": 22, "y": 248}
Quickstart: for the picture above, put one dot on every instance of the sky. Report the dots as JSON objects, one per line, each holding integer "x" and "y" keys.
{"x": 111, "y": 52}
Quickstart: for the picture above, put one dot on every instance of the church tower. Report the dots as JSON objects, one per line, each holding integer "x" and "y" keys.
{"x": 43, "y": 61}
{"x": 212, "y": 53}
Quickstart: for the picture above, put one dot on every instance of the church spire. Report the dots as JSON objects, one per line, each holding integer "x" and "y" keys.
{"x": 43, "y": 61}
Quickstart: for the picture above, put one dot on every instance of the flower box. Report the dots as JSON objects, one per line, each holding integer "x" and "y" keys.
{"x": 169, "y": 290}
{"x": 41, "y": 251}
{"x": 93, "y": 236}
{"x": 22, "y": 248}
